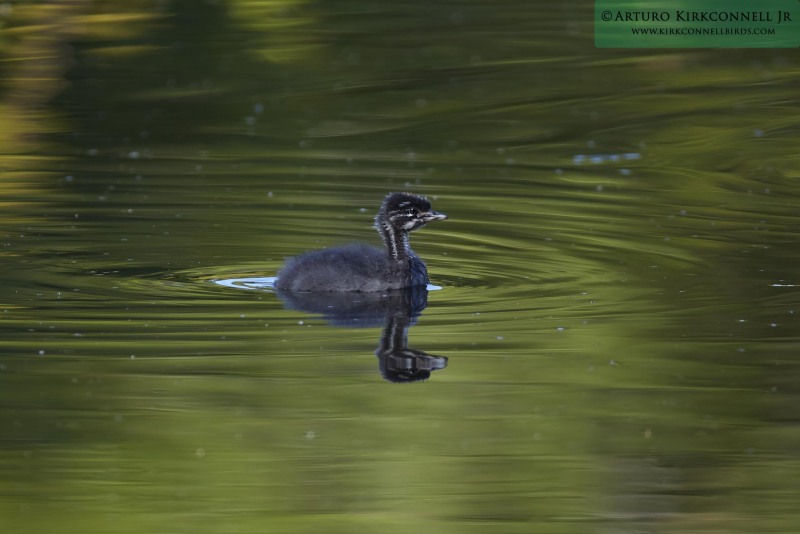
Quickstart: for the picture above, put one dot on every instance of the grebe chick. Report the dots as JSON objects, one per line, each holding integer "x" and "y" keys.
{"x": 359, "y": 267}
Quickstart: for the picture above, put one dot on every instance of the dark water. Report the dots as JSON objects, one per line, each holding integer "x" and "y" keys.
{"x": 619, "y": 274}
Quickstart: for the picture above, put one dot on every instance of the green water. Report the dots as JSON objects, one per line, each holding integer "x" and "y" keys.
{"x": 619, "y": 276}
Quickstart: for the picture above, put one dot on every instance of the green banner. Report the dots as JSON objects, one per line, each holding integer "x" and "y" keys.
{"x": 697, "y": 24}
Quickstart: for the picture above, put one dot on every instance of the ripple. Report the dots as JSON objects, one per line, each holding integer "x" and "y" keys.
{"x": 252, "y": 283}
{"x": 268, "y": 283}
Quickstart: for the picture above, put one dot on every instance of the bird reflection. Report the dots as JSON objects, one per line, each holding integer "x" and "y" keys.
{"x": 396, "y": 310}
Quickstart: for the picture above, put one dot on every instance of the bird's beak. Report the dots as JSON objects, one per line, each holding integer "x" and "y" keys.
{"x": 429, "y": 216}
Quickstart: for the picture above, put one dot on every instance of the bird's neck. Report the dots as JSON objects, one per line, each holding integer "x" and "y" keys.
{"x": 396, "y": 242}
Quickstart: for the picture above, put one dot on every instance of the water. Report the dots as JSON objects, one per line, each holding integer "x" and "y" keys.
{"x": 612, "y": 346}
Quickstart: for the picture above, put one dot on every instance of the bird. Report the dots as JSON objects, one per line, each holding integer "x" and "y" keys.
{"x": 364, "y": 268}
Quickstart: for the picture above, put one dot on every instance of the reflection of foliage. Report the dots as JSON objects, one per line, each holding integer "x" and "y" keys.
{"x": 38, "y": 55}
{"x": 194, "y": 75}
{"x": 595, "y": 312}
{"x": 283, "y": 27}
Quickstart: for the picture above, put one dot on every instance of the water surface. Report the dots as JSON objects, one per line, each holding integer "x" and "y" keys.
{"x": 619, "y": 285}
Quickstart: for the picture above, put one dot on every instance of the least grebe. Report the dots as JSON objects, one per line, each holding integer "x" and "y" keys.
{"x": 360, "y": 267}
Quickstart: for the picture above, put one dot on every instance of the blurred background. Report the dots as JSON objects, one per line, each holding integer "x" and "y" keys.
{"x": 619, "y": 273}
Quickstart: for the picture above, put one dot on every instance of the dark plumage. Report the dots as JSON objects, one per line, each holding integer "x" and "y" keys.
{"x": 360, "y": 267}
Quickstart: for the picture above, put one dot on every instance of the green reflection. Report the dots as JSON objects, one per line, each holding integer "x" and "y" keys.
{"x": 619, "y": 297}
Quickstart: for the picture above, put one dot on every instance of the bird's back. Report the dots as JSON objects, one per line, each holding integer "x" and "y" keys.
{"x": 354, "y": 267}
